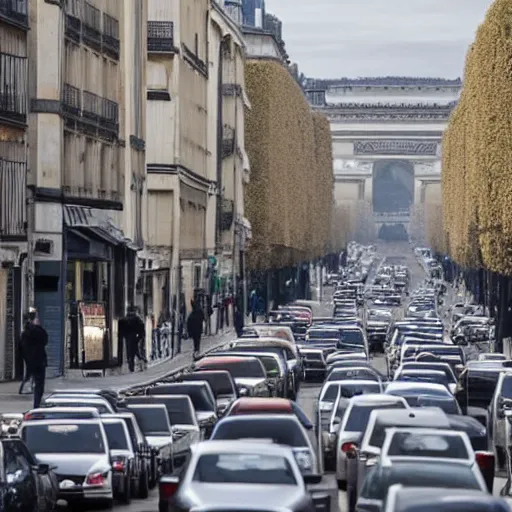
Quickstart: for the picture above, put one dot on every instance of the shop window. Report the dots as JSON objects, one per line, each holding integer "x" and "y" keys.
{"x": 90, "y": 282}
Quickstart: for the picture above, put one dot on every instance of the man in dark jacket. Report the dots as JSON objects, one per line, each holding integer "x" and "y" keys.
{"x": 33, "y": 345}
{"x": 195, "y": 326}
{"x": 133, "y": 331}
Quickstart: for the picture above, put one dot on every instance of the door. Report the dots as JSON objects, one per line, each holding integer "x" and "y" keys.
{"x": 7, "y": 323}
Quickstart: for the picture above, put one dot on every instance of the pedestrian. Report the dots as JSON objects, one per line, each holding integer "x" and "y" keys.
{"x": 195, "y": 326}
{"x": 34, "y": 339}
{"x": 133, "y": 331}
{"x": 253, "y": 301}
{"x": 239, "y": 322}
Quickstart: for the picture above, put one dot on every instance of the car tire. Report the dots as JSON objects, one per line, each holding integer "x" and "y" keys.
{"x": 144, "y": 485}
{"x": 126, "y": 497}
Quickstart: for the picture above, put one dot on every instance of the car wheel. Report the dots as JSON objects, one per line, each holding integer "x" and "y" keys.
{"x": 144, "y": 485}
{"x": 127, "y": 491}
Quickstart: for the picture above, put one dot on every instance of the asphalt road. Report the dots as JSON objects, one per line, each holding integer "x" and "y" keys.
{"x": 309, "y": 392}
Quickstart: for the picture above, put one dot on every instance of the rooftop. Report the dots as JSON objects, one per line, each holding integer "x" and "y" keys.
{"x": 388, "y": 81}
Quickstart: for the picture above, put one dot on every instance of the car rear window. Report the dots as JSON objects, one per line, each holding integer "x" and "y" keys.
{"x": 278, "y": 429}
{"x": 64, "y": 438}
{"x": 220, "y": 383}
{"x": 200, "y": 397}
{"x": 410, "y": 444}
{"x": 240, "y": 468}
{"x": 241, "y": 369}
{"x": 116, "y": 436}
{"x": 360, "y": 414}
{"x": 152, "y": 421}
{"x": 350, "y": 373}
{"x": 352, "y": 337}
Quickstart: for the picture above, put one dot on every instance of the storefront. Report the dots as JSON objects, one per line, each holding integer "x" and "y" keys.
{"x": 97, "y": 261}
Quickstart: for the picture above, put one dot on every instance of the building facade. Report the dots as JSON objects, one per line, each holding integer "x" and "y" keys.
{"x": 14, "y": 27}
{"x": 86, "y": 178}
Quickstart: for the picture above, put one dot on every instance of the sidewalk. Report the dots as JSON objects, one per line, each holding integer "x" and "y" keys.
{"x": 11, "y": 401}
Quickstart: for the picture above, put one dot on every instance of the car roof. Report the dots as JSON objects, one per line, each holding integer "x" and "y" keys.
{"x": 401, "y": 385}
{"x": 268, "y": 404}
{"x": 375, "y": 399}
{"x": 213, "y": 360}
{"x": 260, "y": 417}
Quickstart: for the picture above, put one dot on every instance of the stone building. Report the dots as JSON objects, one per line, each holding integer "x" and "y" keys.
{"x": 87, "y": 62}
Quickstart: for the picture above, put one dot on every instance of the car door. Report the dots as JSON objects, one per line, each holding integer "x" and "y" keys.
{"x": 21, "y": 491}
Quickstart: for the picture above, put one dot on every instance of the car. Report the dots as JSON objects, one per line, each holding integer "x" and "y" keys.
{"x": 59, "y": 413}
{"x": 148, "y": 474}
{"x": 79, "y": 451}
{"x": 126, "y": 463}
{"x": 222, "y": 384}
{"x": 109, "y": 395}
{"x": 425, "y": 499}
{"x": 247, "y": 372}
{"x": 99, "y": 403}
{"x": 415, "y": 473}
{"x": 184, "y": 427}
{"x": 154, "y": 423}
{"x": 280, "y": 429}
{"x": 279, "y": 378}
{"x": 314, "y": 363}
{"x": 353, "y": 424}
{"x": 201, "y": 396}
{"x": 26, "y": 484}
{"x": 222, "y": 475}
{"x": 245, "y": 406}
{"x": 365, "y": 456}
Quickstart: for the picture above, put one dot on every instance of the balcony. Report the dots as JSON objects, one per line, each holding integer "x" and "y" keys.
{"x": 13, "y": 186}
{"x": 71, "y": 100}
{"x": 110, "y": 40}
{"x": 161, "y": 37}
{"x": 14, "y": 12}
{"x": 13, "y": 88}
{"x": 91, "y": 30}
{"x": 73, "y": 24}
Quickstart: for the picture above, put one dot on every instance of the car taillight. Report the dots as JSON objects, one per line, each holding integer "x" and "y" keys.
{"x": 95, "y": 479}
{"x": 348, "y": 447}
{"x": 28, "y": 416}
{"x": 168, "y": 487}
{"x": 485, "y": 460}
{"x": 118, "y": 465}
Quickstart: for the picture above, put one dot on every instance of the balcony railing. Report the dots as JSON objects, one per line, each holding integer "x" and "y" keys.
{"x": 74, "y": 14}
{"x": 14, "y": 11}
{"x": 110, "y": 40}
{"x": 91, "y": 32}
{"x": 13, "y": 186}
{"x": 13, "y": 87}
{"x": 161, "y": 37}
{"x": 109, "y": 118}
{"x": 71, "y": 100}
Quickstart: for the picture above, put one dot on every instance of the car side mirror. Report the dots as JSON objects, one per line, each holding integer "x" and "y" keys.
{"x": 43, "y": 469}
{"x": 312, "y": 479}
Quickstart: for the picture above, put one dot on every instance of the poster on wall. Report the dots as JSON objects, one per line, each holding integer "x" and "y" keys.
{"x": 93, "y": 325}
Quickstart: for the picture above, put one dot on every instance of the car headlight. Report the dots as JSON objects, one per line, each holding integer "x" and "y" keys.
{"x": 303, "y": 460}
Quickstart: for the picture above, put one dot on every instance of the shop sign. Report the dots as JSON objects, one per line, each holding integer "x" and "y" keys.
{"x": 93, "y": 325}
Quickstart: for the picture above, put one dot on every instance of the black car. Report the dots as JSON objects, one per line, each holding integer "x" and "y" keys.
{"x": 27, "y": 485}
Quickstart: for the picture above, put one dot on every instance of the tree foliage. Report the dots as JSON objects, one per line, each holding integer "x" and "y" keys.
{"x": 289, "y": 198}
{"x": 477, "y": 151}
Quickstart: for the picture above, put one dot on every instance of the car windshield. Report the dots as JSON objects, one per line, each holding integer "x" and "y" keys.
{"x": 241, "y": 369}
{"x": 446, "y": 476}
{"x": 271, "y": 366}
{"x": 360, "y": 414}
{"x": 279, "y": 429}
{"x": 64, "y": 438}
{"x": 352, "y": 337}
{"x": 220, "y": 382}
{"x": 241, "y": 468}
{"x": 153, "y": 421}
{"x": 351, "y": 374}
{"x": 116, "y": 436}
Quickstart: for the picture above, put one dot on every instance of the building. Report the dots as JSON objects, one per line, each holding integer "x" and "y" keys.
{"x": 387, "y": 134}
{"x": 253, "y": 13}
{"x": 87, "y": 173}
{"x": 14, "y": 19}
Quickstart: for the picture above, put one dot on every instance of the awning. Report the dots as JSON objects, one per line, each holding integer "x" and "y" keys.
{"x": 98, "y": 221}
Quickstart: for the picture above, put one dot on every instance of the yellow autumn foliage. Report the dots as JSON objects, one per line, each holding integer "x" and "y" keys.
{"x": 477, "y": 151}
{"x": 289, "y": 198}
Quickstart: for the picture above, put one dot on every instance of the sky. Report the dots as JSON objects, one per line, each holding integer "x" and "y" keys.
{"x": 352, "y": 38}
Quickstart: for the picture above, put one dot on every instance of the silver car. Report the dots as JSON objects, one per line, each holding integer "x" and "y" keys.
{"x": 79, "y": 450}
{"x": 354, "y": 424}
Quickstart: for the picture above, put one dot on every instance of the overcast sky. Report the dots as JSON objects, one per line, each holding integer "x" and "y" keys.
{"x": 337, "y": 38}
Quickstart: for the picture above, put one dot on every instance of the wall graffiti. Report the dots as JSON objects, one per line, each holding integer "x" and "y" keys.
{"x": 161, "y": 343}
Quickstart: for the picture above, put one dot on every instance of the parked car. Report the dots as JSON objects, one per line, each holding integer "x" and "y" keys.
{"x": 222, "y": 384}
{"x": 79, "y": 451}
{"x": 247, "y": 372}
{"x": 202, "y": 398}
{"x": 224, "y": 474}
{"x": 97, "y": 402}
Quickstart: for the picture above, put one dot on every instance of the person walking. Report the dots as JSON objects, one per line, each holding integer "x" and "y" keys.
{"x": 26, "y": 374}
{"x": 195, "y": 326}
{"x": 34, "y": 339}
{"x": 253, "y": 304}
{"x": 239, "y": 322}
{"x": 134, "y": 332}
